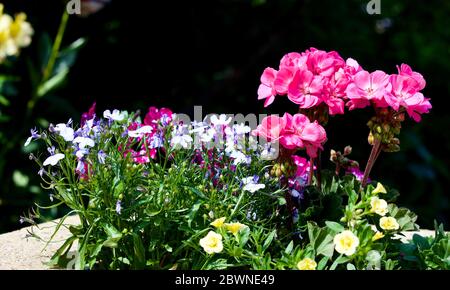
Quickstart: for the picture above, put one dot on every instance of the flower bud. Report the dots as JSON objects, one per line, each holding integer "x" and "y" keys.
{"x": 371, "y": 139}
{"x": 333, "y": 155}
{"x": 378, "y": 129}
{"x": 347, "y": 150}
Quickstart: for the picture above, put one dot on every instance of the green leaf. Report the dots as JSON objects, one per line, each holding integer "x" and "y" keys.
{"x": 289, "y": 248}
{"x": 193, "y": 212}
{"x": 421, "y": 242}
{"x": 320, "y": 240}
{"x": 269, "y": 240}
{"x": 67, "y": 57}
{"x": 53, "y": 83}
{"x": 322, "y": 263}
{"x": 20, "y": 179}
{"x": 139, "y": 252}
{"x": 244, "y": 235}
{"x": 4, "y": 101}
{"x": 335, "y": 226}
{"x": 340, "y": 260}
{"x": 114, "y": 236}
{"x": 350, "y": 266}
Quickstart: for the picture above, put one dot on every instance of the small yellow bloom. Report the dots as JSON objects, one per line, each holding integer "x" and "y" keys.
{"x": 346, "y": 243}
{"x": 389, "y": 223}
{"x": 212, "y": 243}
{"x": 218, "y": 223}
{"x": 379, "y": 206}
{"x": 307, "y": 264}
{"x": 234, "y": 227}
{"x": 377, "y": 236}
{"x": 379, "y": 189}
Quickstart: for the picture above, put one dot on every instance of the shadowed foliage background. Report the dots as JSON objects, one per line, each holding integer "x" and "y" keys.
{"x": 211, "y": 53}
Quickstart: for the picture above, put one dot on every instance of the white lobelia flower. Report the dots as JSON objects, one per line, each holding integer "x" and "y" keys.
{"x": 66, "y": 132}
{"x": 268, "y": 153}
{"x": 116, "y": 115}
{"x": 251, "y": 184}
{"x": 54, "y": 159}
{"x": 84, "y": 142}
{"x": 241, "y": 129}
{"x": 222, "y": 120}
{"x": 240, "y": 157}
{"x": 208, "y": 135}
{"x": 181, "y": 141}
{"x": 140, "y": 132}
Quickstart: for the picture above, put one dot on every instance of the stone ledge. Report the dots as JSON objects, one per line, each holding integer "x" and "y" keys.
{"x": 18, "y": 251}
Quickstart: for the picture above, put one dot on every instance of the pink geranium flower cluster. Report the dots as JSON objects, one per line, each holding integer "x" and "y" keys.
{"x": 309, "y": 79}
{"x": 315, "y": 76}
{"x": 293, "y": 132}
{"x": 395, "y": 91}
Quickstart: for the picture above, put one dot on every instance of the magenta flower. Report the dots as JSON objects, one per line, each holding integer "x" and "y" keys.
{"x": 88, "y": 115}
{"x": 154, "y": 115}
{"x": 324, "y": 63}
{"x": 266, "y": 90}
{"x": 368, "y": 87}
{"x": 299, "y": 132}
{"x": 405, "y": 70}
{"x": 303, "y": 166}
{"x": 405, "y": 94}
{"x": 305, "y": 89}
{"x": 293, "y": 132}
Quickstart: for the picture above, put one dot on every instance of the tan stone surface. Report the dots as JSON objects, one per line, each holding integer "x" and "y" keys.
{"x": 19, "y": 252}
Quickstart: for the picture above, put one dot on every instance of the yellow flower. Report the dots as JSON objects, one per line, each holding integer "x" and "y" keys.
{"x": 21, "y": 31}
{"x": 379, "y": 189}
{"x": 379, "y": 206}
{"x": 218, "y": 223}
{"x": 307, "y": 264}
{"x": 212, "y": 243}
{"x": 14, "y": 34}
{"x": 389, "y": 223}
{"x": 377, "y": 236}
{"x": 234, "y": 227}
{"x": 346, "y": 243}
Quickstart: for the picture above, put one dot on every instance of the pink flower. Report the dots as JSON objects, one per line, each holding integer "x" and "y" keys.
{"x": 405, "y": 70}
{"x": 293, "y": 132}
{"x": 88, "y": 115}
{"x": 270, "y": 128}
{"x": 299, "y": 132}
{"x": 154, "y": 115}
{"x": 324, "y": 63}
{"x": 404, "y": 94}
{"x": 303, "y": 165}
{"x": 352, "y": 67}
{"x": 305, "y": 89}
{"x": 266, "y": 89}
{"x": 334, "y": 92}
{"x": 294, "y": 60}
{"x": 368, "y": 87}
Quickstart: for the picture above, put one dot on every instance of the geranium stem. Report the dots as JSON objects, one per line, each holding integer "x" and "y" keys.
{"x": 319, "y": 168}
{"x": 376, "y": 149}
{"x": 311, "y": 171}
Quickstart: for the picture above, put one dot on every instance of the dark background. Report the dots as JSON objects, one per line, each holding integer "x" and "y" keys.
{"x": 211, "y": 53}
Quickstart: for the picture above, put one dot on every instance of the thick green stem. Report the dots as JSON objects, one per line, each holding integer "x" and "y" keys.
{"x": 48, "y": 71}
